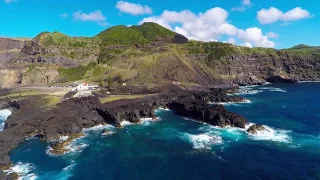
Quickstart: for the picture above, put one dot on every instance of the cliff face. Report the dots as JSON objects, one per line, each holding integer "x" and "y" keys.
{"x": 148, "y": 55}
{"x": 9, "y": 48}
{"x": 246, "y": 69}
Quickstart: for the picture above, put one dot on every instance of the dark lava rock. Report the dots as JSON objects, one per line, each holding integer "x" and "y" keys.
{"x": 254, "y": 129}
{"x": 279, "y": 79}
{"x": 72, "y": 115}
{"x": 199, "y": 110}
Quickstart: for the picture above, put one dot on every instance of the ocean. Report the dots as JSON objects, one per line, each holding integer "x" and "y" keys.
{"x": 178, "y": 148}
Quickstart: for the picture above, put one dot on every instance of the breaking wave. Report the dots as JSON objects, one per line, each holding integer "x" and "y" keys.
{"x": 274, "y": 89}
{"x": 24, "y": 170}
{"x": 272, "y": 134}
{"x": 246, "y": 101}
{"x": 247, "y": 91}
{"x": 4, "y": 114}
{"x": 203, "y": 141}
{"x": 97, "y": 128}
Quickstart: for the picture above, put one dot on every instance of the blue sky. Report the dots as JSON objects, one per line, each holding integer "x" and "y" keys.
{"x": 265, "y": 23}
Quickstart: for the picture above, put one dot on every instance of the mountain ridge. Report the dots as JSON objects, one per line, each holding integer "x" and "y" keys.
{"x": 149, "y": 54}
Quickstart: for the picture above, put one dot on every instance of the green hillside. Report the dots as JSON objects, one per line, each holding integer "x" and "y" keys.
{"x": 148, "y": 55}
{"x": 124, "y": 35}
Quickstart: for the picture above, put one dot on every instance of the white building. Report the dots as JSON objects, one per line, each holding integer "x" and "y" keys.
{"x": 85, "y": 87}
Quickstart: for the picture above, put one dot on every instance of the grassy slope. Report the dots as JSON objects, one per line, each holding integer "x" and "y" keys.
{"x": 120, "y": 61}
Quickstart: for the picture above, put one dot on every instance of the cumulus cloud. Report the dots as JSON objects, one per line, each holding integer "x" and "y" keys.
{"x": 243, "y": 6}
{"x": 132, "y": 8}
{"x": 254, "y": 35}
{"x": 95, "y": 16}
{"x": 271, "y": 15}
{"x": 272, "y": 35}
{"x": 208, "y": 26}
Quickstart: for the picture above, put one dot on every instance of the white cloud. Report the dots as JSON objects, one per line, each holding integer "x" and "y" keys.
{"x": 247, "y": 44}
{"x": 246, "y": 2}
{"x": 254, "y": 35}
{"x": 95, "y": 16}
{"x": 232, "y": 40}
{"x": 208, "y": 26}
{"x": 9, "y": 1}
{"x": 271, "y": 15}
{"x": 240, "y": 9}
{"x": 243, "y": 6}
{"x": 296, "y": 14}
{"x": 132, "y": 8}
{"x": 64, "y": 15}
{"x": 272, "y": 35}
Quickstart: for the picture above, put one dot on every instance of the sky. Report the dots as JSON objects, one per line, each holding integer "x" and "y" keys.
{"x": 253, "y": 23}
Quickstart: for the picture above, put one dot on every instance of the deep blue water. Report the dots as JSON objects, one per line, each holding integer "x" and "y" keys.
{"x": 176, "y": 148}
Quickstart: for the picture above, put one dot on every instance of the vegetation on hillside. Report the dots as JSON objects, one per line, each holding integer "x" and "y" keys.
{"x": 142, "y": 55}
{"x": 73, "y": 74}
{"x": 123, "y": 35}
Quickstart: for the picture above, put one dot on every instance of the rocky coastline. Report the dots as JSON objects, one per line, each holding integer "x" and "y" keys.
{"x": 71, "y": 116}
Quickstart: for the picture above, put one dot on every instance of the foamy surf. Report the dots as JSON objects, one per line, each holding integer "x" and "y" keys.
{"x": 247, "y": 91}
{"x": 309, "y": 82}
{"x": 24, "y": 170}
{"x": 246, "y": 101}
{"x": 274, "y": 89}
{"x": 162, "y": 109}
{"x": 270, "y": 134}
{"x": 203, "y": 141}
{"x": 97, "y": 128}
{"x": 125, "y": 123}
{"x": 148, "y": 121}
{"x": 4, "y": 114}
{"x": 74, "y": 147}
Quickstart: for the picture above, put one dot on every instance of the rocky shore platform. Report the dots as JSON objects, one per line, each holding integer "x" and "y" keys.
{"x": 71, "y": 116}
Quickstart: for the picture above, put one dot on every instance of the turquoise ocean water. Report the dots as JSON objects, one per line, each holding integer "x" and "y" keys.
{"x": 178, "y": 148}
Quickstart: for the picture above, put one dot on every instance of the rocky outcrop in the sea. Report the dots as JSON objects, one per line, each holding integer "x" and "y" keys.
{"x": 256, "y": 128}
{"x": 59, "y": 147}
{"x": 199, "y": 110}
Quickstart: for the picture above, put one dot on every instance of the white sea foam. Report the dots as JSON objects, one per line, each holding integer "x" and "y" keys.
{"x": 98, "y": 128}
{"x": 63, "y": 138}
{"x": 4, "y": 114}
{"x": 246, "y": 91}
{"x": 203, "y": 141}
{"x": 24, "y": 170}
{"x": 271, "y": 134}
{"x": 73, "y": 147}
{"x": 125, "y": 123}
{"x": 273, "y": 89}
{"x": 249, "y": 86}
{"x": 309, "y": 81}
{"x": 246, "y": 101}
{"x": 148, "y": 121}
{"x": 162, "y": 109}
{"x": 70, "y": 167}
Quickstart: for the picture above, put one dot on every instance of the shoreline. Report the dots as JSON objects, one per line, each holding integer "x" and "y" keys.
{"x": 90, "y": 113}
